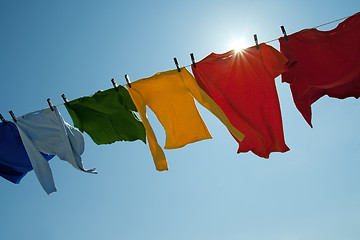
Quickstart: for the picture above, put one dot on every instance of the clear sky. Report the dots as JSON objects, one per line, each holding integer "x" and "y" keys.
{"x": 75, "y": 47}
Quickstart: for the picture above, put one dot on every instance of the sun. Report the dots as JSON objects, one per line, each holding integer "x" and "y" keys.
{"x": 238, "y": 44}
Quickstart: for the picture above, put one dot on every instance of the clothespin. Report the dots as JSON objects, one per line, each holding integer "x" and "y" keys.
{"x": 114, "y": 84}
{"x": 284, "y": 32}
{"x": 256, "y": 41}
{"x": 50, "y": 104}
{"x": 65, "y": 99}
{"x": 177, "y": 65}
{"x": 193, "y": 60}
{"x": 2, "y": 118}
{"x": 128, "y": 80}
{"x": 12, "y": 115}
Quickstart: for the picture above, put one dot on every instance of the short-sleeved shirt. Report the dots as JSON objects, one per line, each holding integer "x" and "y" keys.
{"x": 242, "y": 84}
{"x": 107, "y": 116}
{"x": 323, "y": 63}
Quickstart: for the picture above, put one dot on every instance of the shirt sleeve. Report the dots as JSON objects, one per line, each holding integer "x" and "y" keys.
{"x": 38, "y": 162}
{"x": 74, "y": 117}
{"x": 208, "y": 103}
{"x": 127, "y": 99}
{"x": 156, "y": 151}
{"x": 274, "y": 61}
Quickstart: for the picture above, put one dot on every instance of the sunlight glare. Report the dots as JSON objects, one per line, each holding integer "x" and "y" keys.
{"x": 238, "y": 45}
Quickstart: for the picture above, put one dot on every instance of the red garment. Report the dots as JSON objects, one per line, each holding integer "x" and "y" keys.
{"x": 242, "y": 84}
{"x": 323, "y": 63}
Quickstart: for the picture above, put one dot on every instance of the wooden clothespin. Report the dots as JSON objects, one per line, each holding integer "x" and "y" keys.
{"x": 2, "y": 118}
{"x": 128, "y": 80}
{"x": 12, "y": 115}
{"x": 193, "y": 60}
{"x": 284, "y": 32}
{"x": 114, "y": 84}
{"x": 65, "y": 99}
{"x": 50, "y": 104}
{"x": 177, "y": 65}
{"x": 256, "y": 41}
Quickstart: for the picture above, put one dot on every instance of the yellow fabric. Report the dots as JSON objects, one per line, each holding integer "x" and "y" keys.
{"x": 170, "y": 95}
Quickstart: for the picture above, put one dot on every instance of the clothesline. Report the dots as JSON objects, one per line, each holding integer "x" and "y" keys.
{"x": 321, "y": 25}
{"x": 273, "y": 40}
{"x": 109, "y": 116}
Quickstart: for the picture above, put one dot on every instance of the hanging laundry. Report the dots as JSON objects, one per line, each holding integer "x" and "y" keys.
{"x": 107, "y": 116}
{"x": 323, "y": 63}
{"x": 242, "y": 84}
{"x": 170, "y": 95}
{"x": 46, "y": 131}
{"x": 14, "y": 161}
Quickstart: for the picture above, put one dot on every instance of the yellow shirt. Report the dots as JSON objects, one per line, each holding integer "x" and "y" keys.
{"x": 170, "y": 95}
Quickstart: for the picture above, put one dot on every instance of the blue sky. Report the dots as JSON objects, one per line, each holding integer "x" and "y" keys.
{"x": 75, "y": 47}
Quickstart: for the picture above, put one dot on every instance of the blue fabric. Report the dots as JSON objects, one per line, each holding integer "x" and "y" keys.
{"x": 14, "y": 161}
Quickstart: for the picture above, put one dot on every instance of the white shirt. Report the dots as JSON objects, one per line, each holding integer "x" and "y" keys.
{"x": 46, "y": 131}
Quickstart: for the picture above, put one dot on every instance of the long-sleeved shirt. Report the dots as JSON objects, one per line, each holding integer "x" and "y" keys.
{"x": 14, "y": 161}
{"x": 46, "y": 131}
{"x": 170, "y": 95}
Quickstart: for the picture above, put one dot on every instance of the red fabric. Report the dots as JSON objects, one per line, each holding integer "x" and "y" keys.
{"x": 242, "y": 84}
{"x": 323, "y": 63}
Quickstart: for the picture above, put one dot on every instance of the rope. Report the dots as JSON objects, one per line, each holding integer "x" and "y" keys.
{"x": 273, "y": 40}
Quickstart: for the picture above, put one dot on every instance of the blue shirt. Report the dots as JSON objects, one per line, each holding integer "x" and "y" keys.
{"x": 14, "y": 161}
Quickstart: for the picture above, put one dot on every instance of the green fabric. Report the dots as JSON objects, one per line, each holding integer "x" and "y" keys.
{"x": 107, "y": 116}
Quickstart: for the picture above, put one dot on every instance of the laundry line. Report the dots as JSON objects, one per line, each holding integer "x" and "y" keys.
{"x": 193, "y": 60}
{"x": 276, "y": 39}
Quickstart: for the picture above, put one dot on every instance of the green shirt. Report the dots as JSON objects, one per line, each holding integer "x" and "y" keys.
{"x": 107, "y": 116}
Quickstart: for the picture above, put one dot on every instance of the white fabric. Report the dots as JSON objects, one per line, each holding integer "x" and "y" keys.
{"x": 40, "y": 165}
{"x": 46, "y": 131}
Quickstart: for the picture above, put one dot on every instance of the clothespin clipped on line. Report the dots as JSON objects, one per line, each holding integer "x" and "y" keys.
{"x": 128, "y": 80}
{"x": 50, "y": 104}
{"x": 256, "y": 41}
{"x": 284, "y": 32}
{"x": 177, "y": 65}
{"x": 12, "y": 115}
{"x": 65, "y": 99}
{"x": 114, "y": 84}
{"x": 193, "y": 60}
{"x": 2, "y": 118}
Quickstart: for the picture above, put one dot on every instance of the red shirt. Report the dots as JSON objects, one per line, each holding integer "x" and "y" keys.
{"x": 242, "y": 84}
{"x": 323, "y": 63}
